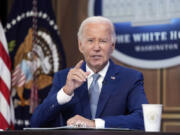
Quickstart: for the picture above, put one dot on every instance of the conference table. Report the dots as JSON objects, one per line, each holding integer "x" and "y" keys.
{"x": 81, "y": 131}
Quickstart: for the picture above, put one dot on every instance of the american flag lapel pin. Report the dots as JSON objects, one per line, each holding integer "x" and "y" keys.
{"x": 113, "y": 77}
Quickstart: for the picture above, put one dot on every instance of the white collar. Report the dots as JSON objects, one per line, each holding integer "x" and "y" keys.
{"x": 102, "y": 73}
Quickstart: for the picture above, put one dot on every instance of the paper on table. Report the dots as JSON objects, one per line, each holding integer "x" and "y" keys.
{"x": 76, "y": 128}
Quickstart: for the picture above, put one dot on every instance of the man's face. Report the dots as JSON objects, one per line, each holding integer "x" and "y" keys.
{"x": 96, "y": 45}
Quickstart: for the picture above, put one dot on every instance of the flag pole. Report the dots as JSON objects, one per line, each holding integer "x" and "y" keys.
{"x": 34, "y": 89}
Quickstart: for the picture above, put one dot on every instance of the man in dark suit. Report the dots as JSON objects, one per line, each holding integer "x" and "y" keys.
{"x": 71, "y": 100}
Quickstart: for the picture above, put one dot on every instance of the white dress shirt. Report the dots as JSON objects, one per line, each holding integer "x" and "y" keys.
{"x": 63, "y": 98}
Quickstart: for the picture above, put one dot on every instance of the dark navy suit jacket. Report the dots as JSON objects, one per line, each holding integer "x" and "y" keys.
{"x": 120, "y": 101}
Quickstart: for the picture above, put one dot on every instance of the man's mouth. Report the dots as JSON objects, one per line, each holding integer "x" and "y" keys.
{"x": 96, "y": 56}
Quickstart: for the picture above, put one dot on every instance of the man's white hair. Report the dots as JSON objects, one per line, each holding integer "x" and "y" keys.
{"x": 97, "y": 19}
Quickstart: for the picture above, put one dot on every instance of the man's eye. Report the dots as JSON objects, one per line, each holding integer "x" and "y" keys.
{"x": 90, "y": 40}
{"x": 103, "y": 41}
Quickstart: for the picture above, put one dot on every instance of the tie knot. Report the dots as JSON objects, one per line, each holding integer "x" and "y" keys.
{"x": 95, "y": 77}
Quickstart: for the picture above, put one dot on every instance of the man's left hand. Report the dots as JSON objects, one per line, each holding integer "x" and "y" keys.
{"x": 79, "y": 121}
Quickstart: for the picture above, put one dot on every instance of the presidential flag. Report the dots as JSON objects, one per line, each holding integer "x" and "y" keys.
{"x": 36, "y": 52}
{"x": 6, "y": 110}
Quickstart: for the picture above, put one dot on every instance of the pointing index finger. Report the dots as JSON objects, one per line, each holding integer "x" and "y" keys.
{"x": 79, "y": 64}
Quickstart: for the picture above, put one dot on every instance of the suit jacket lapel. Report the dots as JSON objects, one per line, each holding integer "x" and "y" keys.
{"x": 84, "y": 101}
{"x": 107, "y": 88}
{"x": 85, "y": 97}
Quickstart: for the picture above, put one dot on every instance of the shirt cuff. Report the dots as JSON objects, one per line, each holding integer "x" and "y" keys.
{"x": 100, "y": 123}
{"x": 62, "y": 97}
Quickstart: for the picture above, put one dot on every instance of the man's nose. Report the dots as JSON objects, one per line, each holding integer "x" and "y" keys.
{"x": 96, "y": 46}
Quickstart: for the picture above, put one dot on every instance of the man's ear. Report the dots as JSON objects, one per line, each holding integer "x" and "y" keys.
{"x": 112, "y": 47}
{"x": 80, "y": 45}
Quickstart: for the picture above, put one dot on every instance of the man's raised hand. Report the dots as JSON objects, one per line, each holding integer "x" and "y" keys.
{"x": 75, "y": 78}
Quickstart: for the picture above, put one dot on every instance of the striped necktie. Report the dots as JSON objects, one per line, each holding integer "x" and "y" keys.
{"x": 94, "y": 94}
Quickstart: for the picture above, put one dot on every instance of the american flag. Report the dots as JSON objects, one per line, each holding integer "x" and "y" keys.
{"x": 6, "y": 110}
{"x": 18, "y": 77}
